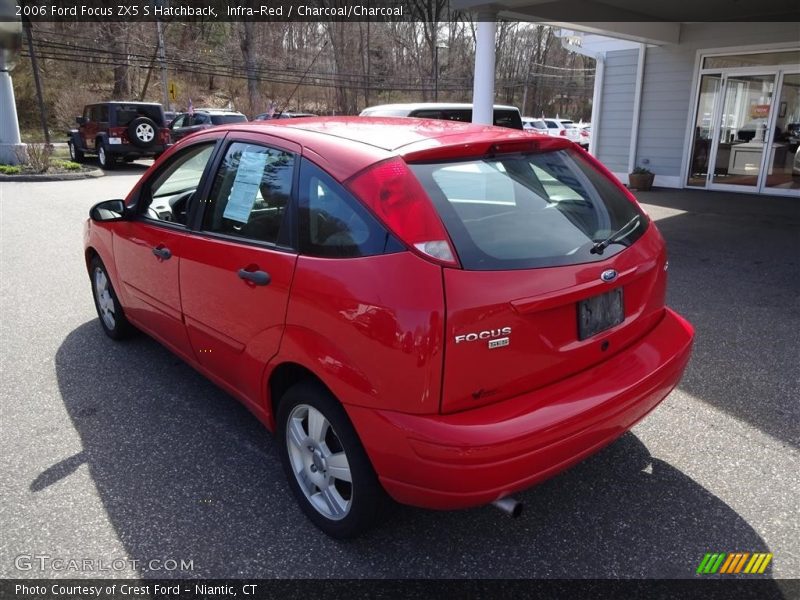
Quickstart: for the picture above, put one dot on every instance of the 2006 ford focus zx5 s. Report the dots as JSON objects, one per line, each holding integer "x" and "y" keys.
{"x": 438, "y": 312}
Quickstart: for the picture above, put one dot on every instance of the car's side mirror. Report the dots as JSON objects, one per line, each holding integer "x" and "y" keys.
{"x": 109, "y": 210}
{"x": 80, "y": 120}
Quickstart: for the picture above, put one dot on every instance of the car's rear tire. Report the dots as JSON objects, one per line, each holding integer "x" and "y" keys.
{"x": 106, "y": 160}
{"x": 320, "y": 452}
{"x": 109, "y": 310}
{"x": 75, "y": 153}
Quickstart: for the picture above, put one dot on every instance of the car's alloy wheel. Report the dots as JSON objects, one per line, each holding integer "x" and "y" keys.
{"x": 145, "y": 132}
{"x": 112, "y": 317}
{"x": 327, "y": 468}
{"x": 319, "y": 462}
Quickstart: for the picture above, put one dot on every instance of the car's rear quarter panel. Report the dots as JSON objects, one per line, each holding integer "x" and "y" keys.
{"x": 371, "y": 328}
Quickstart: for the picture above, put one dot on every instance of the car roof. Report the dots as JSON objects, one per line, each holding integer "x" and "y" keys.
{"x": 345, "y": 145}
{"x": 217, "y": 111}
{"x": 127, "y": 103}
{"x": 433, "y": 106}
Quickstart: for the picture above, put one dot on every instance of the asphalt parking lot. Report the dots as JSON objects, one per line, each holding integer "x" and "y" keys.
{"x": 121, "y": 451}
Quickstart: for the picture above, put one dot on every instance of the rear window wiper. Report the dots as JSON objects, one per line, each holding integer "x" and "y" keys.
{"x": 623, "y": 231}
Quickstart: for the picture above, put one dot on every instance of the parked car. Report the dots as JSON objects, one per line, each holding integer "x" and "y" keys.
{"x": 585, "y": 130}
{"x": 563, "y": 128}
{"x": 117, "y": 131}
{"x": 202, "y": 118}
{"x": 282, "y": 115}
{"x": 437, "y": 312}
{"x": 504, "y": 116}
{"x": 531, "y": 124}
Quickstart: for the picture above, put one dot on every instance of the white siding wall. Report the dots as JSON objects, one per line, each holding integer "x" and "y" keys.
{"x": 614, "y": 135}
{"x": 667, "y": 92}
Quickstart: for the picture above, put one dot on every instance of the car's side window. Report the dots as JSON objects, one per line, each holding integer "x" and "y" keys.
{"x": 166, "y": 198}
{"x": 178, "y": 122}
{"x": 251, "y": 192}
{"x": 333, "y": 224}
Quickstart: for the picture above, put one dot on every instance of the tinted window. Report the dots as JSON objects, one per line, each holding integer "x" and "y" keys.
{"x": 128, "y": 112}
{"x": 333, "y": 224}
{"x": 250, "y": 193}
{"x": 524, "y": 211}
{"x": 226, "y": 119}
{"x": 178, "y": 122}
{"x": 507, "y": 118}
{"x": 200, "y": 119}
{"x": 173, "y": 187}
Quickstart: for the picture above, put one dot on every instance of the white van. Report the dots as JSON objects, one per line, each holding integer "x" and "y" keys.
{"x": 504, "y": 116}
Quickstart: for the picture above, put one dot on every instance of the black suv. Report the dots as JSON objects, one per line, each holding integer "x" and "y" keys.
{"x": 202, "y": 118}
{"x": 119, "y": 131}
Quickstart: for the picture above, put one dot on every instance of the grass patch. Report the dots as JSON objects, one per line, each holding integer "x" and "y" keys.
{"x": 66, "y": 165}
{"x": 10, "y": 170}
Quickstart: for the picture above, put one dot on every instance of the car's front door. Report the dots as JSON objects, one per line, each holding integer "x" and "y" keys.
{"x": 148, "y": 247}
{"x": 237, "y": 271}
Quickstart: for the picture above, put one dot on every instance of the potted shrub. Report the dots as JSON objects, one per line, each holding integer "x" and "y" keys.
{"x": 641, "y": 179}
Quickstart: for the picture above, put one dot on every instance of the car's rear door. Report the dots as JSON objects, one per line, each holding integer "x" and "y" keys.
{"x": 148, "y": 248}
{"x": 536, "y": 301}
{"x": 237, "y": 270}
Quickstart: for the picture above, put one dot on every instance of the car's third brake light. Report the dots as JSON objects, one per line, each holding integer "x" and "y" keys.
{"x": 393, "y": 193}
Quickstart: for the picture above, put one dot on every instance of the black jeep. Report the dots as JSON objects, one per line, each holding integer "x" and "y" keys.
{"x": 117, "y": 131}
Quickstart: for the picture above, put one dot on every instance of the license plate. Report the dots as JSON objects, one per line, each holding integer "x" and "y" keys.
{"x": 600, "y": 313}
{"x": 114, "y": 140}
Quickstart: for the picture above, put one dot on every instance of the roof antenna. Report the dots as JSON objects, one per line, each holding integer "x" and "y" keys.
{"x": 302, "y": 77}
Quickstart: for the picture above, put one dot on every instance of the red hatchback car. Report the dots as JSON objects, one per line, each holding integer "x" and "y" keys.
{"x": 441, "y": 312}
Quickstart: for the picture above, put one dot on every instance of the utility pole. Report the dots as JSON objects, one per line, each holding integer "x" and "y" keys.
{"x": 436, "y": 74}
{"x": 163, "y": 60}
{"x": 37, "y": 81}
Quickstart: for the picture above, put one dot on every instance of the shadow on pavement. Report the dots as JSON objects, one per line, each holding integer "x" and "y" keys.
{"x": 735, "y": 274}
{"x": 185, "y": 472}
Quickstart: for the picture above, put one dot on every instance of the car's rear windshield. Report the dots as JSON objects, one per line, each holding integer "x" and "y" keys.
{"x": 226, "y": 119}
{"x": 523, "y": 211}
{"x": 128, "y": 112}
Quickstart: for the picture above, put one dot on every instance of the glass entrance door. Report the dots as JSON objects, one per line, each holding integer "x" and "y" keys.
{"x": 783, "y": 168}
{"x": 741, "y": 140}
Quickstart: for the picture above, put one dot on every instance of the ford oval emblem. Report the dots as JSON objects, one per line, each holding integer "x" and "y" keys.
{"x": 609, "y": 275}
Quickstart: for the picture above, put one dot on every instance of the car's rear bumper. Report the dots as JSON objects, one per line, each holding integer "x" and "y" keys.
{"x": 134, "y": 150}
{"x": 475, "y": 457}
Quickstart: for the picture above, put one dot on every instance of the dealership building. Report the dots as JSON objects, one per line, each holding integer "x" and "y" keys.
{"x": 703, "y": 105}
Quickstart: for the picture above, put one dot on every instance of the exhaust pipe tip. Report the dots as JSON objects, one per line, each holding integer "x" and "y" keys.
{"x": 513, "y": 508}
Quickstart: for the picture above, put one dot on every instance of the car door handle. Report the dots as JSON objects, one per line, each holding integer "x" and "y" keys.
{"x": 256, "y": 277}
{"x": 162, "y": 252}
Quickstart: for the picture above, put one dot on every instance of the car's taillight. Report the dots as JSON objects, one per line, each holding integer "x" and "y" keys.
{"x": 393, "y": 193}
{"x": 563, "y": 132}
{"x": 120, "y": 132}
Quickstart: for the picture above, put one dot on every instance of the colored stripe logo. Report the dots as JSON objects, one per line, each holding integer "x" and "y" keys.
{"x": 731, "y": 563}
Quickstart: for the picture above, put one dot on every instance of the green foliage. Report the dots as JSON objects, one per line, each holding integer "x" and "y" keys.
{"x": 641, "y": 171}
{"x": 10, "y": 170}
{"x": 66, "y": 165}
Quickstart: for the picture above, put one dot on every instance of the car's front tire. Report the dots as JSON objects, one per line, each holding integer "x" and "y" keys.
{"x": 112, "y": 317}
{"x": 75, "y": 153}
{"x": 327, "y": 468}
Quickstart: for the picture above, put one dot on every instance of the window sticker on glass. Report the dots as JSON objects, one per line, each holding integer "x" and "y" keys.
{"x": 245, "y": 186}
